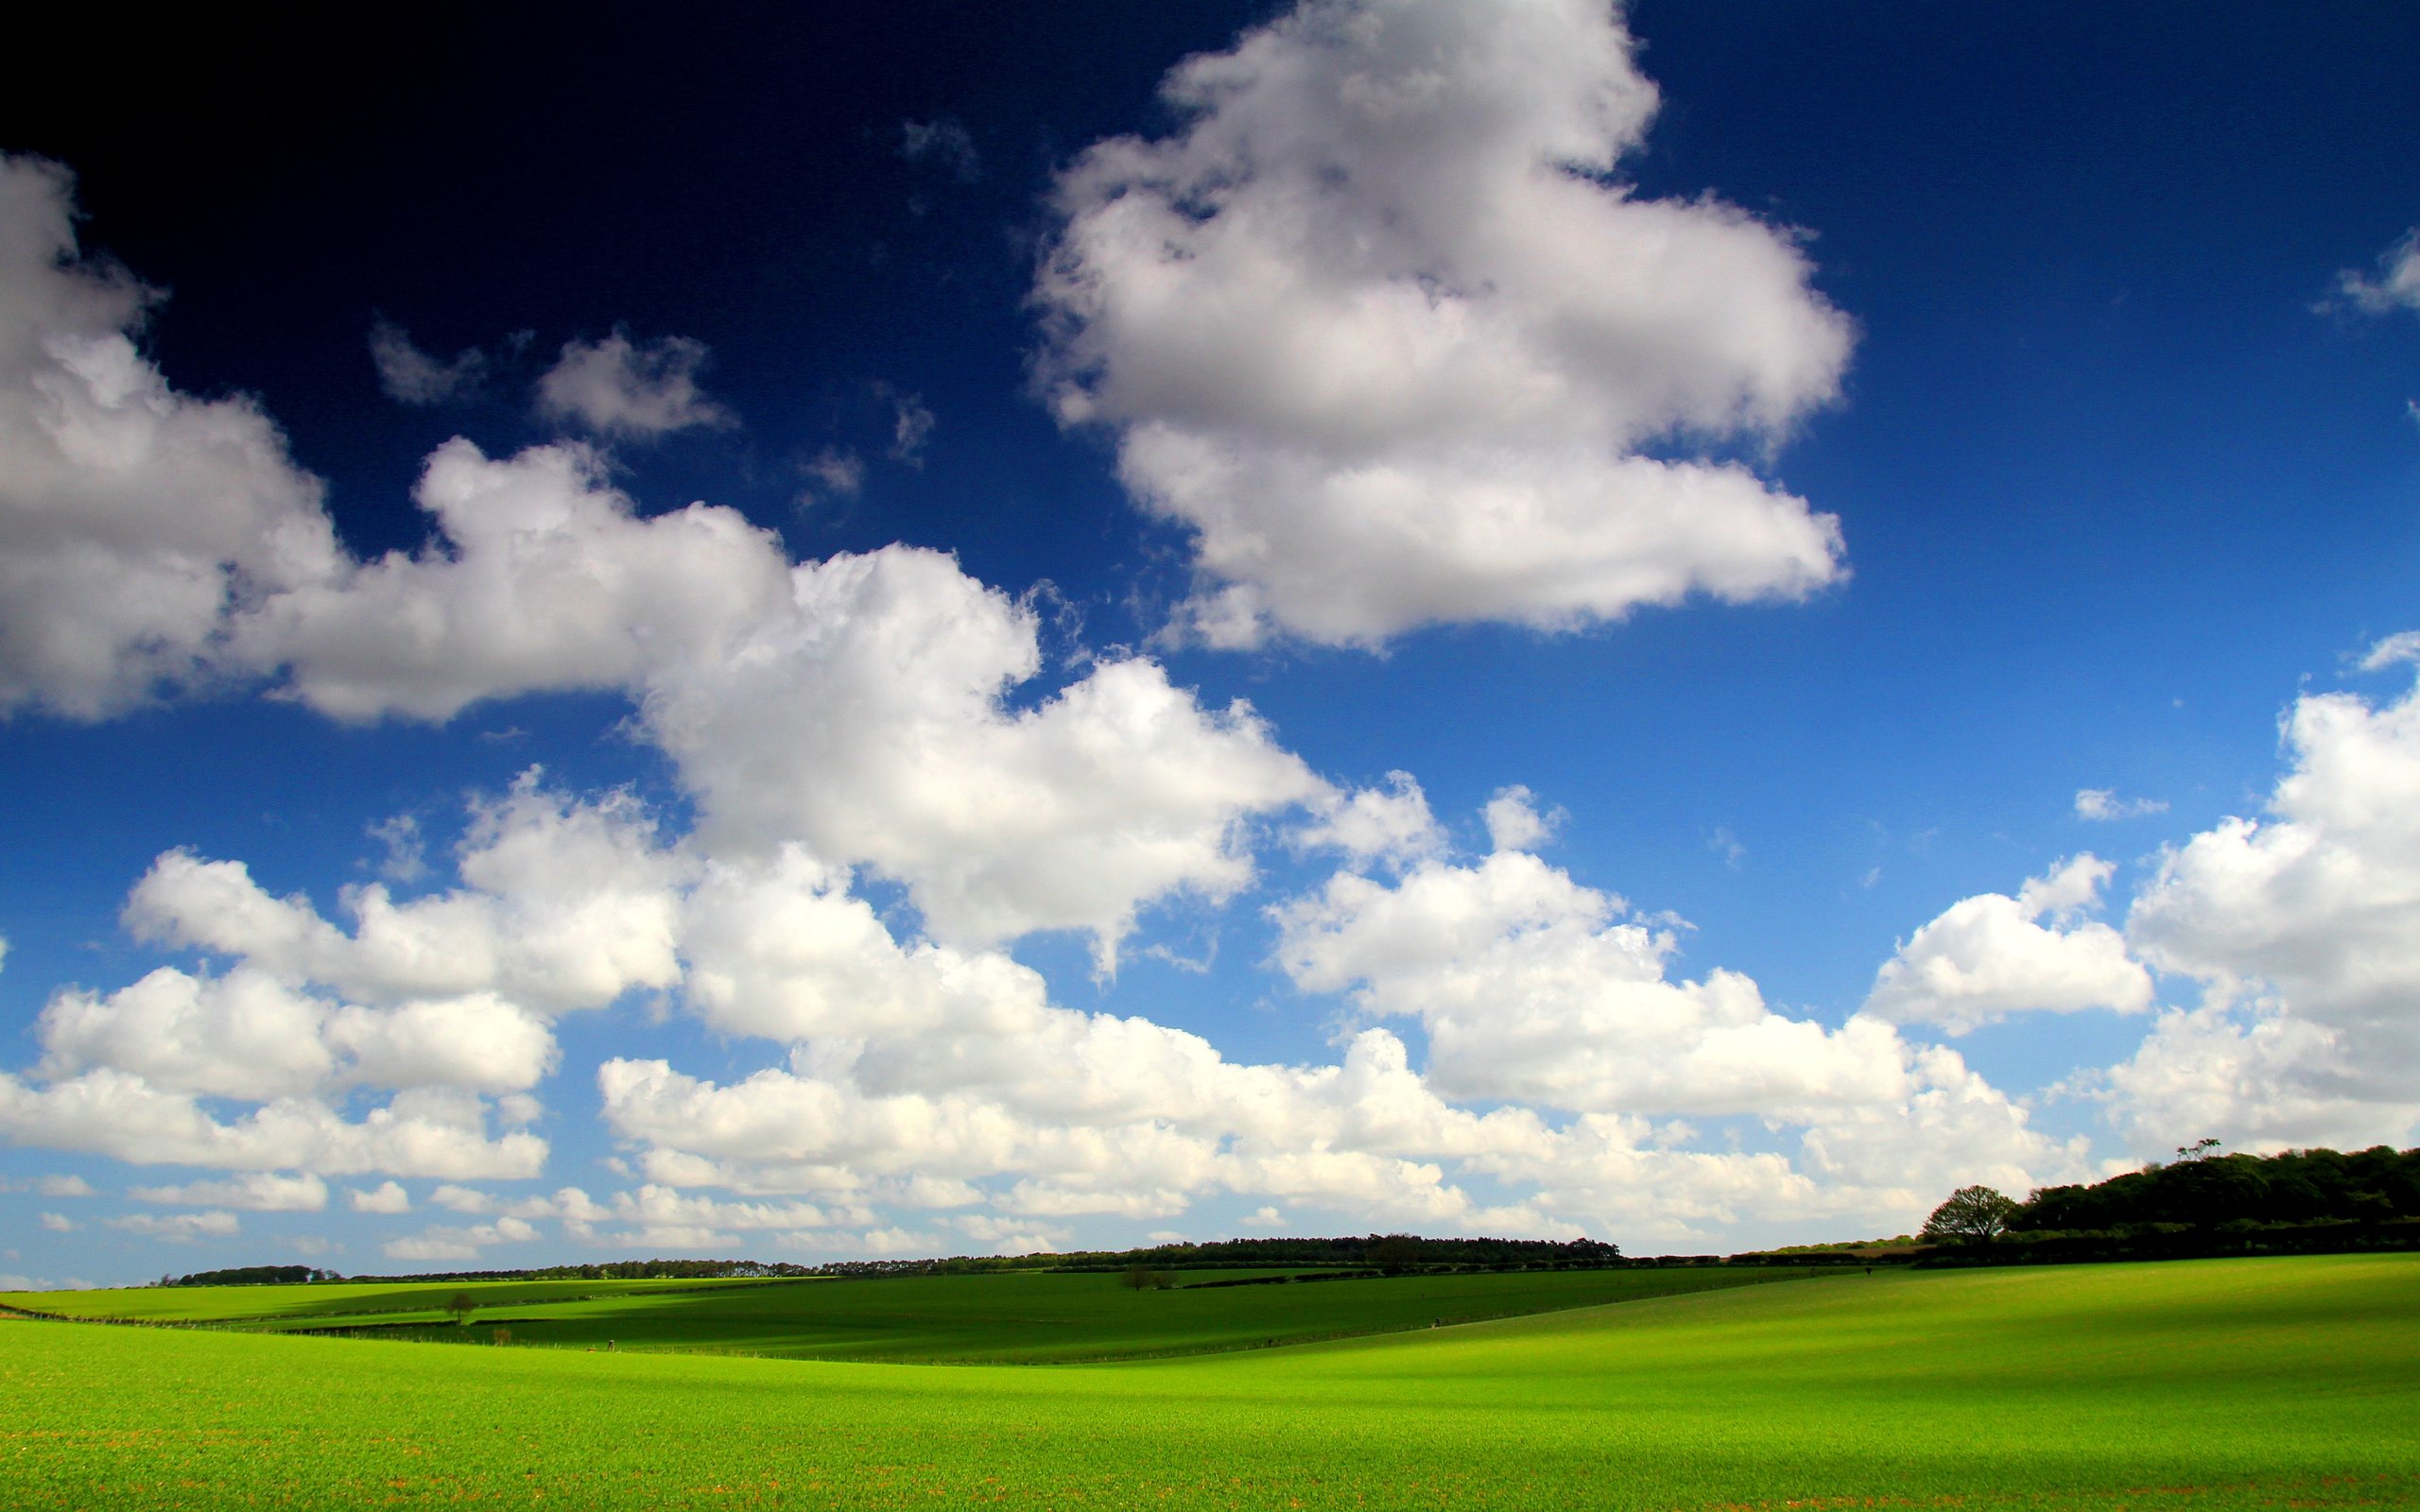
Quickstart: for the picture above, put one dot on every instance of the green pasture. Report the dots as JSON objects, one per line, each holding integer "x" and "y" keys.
{"x": 1036, "y": 1318}
{"x": 329, "y": 1299}
{"x": 2220, "y": 1385}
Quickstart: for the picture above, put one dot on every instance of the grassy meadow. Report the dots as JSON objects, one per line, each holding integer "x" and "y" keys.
{"x": 2245, "y": 1384}
{"x": 1016, "y": 1319}
{"x": 324, "y": 1303}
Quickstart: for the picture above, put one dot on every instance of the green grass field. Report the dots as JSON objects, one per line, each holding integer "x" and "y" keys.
{"x": 328, "y": 1300}
{"x": 2228, "y": 1384}
{"x": 1043, "y": 1319}
{"x": 1026, "y": 1317}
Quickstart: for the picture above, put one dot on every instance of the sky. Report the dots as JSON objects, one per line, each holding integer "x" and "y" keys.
{"x": 864, "y": 633}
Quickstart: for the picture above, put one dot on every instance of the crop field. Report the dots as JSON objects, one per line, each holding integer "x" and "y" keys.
{"x": 2220, "y": 1385}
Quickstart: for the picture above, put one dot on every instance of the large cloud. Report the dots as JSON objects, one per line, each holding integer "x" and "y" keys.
{"x": 439, "y": 999}
{"x": 862, "y": 705}
{"x": 132, "y": 519}
{"x": 859, "y": 704}
{"x": 2303, "y": 930}
{"x": 1380, "y": 328}
{"x": 119, "y": 1114}
{"x": 922, "y": 1075}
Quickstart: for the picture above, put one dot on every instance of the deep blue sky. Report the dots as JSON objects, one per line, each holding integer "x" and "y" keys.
{"x": 2114, "y": 488}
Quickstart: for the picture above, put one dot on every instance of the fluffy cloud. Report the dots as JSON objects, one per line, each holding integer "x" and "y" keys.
{"x": 1536, "y": 990}
{"x": 637, "y": 390}
{"x": 428, "y": 1132}
{"x": 859, "y": 704}
{"x": 544, "y": 579}
{"x": 1382, "y": 330}
{"x": 245, "y": 1035}
{"x": 411, "y": 376}
{"x": 460, "y": 1244}
{"x": 918, "y": 1064}
{"x": 1990, "y": 956}
{"x": 2303, "y": 931}
{"x": 567, "y": 904}
{"x": 1368, "y": 824}
{"x": 869, "y": 720}
{"x": 387, "y": 1196}
{"x": 133, "y": 519}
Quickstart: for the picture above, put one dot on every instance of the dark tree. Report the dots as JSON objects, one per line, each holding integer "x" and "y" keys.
{"x": 1973, "y": 1216}
{"x": 461, "y": 1306}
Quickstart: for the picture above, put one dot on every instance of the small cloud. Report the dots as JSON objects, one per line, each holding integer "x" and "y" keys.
{"x": 2395, "y": 285}
{"x": 59, "y": 1223}
{"x": 1390, "y": 823}
{"x": 1513, "y": 822}
{"x": 462, "y": 1199}
{"x": 177, "y": 1228}
{"x": 911, "y": 426}
{"x": 637, "y": 390}
{"x": 406, "y": 859}
{"x": 388, "y": 1197}
{"x": 519, "y": 1109}
{"x": 2101, "y": 805}
{"x": 1726, "y": 845}
{"x": 833, "y": 473}
{"x": 411, "y": 376}
{"x": 1266, "y": 1218}
{"x": 942, "y": 140}
{"x": 459, "y": 1243}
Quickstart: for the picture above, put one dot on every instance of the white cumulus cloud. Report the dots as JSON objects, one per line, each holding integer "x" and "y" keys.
{"x": 1991, "y": 956}
{"x": 1381, "y": 327}
{"x": 2303, "y": 930}
{"x": 133, "y": 519}
{"x": 387, "y": 1196}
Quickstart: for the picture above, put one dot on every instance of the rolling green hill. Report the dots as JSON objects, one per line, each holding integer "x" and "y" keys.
{"x": 2220, "y": 1385}
{"x": 322, "y": 1301}
{"x": 1013, "y": 1317}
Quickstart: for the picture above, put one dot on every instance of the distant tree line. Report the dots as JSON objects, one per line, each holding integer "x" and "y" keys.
{"x": 2300, "y": 1186}
{"x": 618, "y": 1270}
{"x": 2202, "y": 1203}
{"x": 253, "y": 1276}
